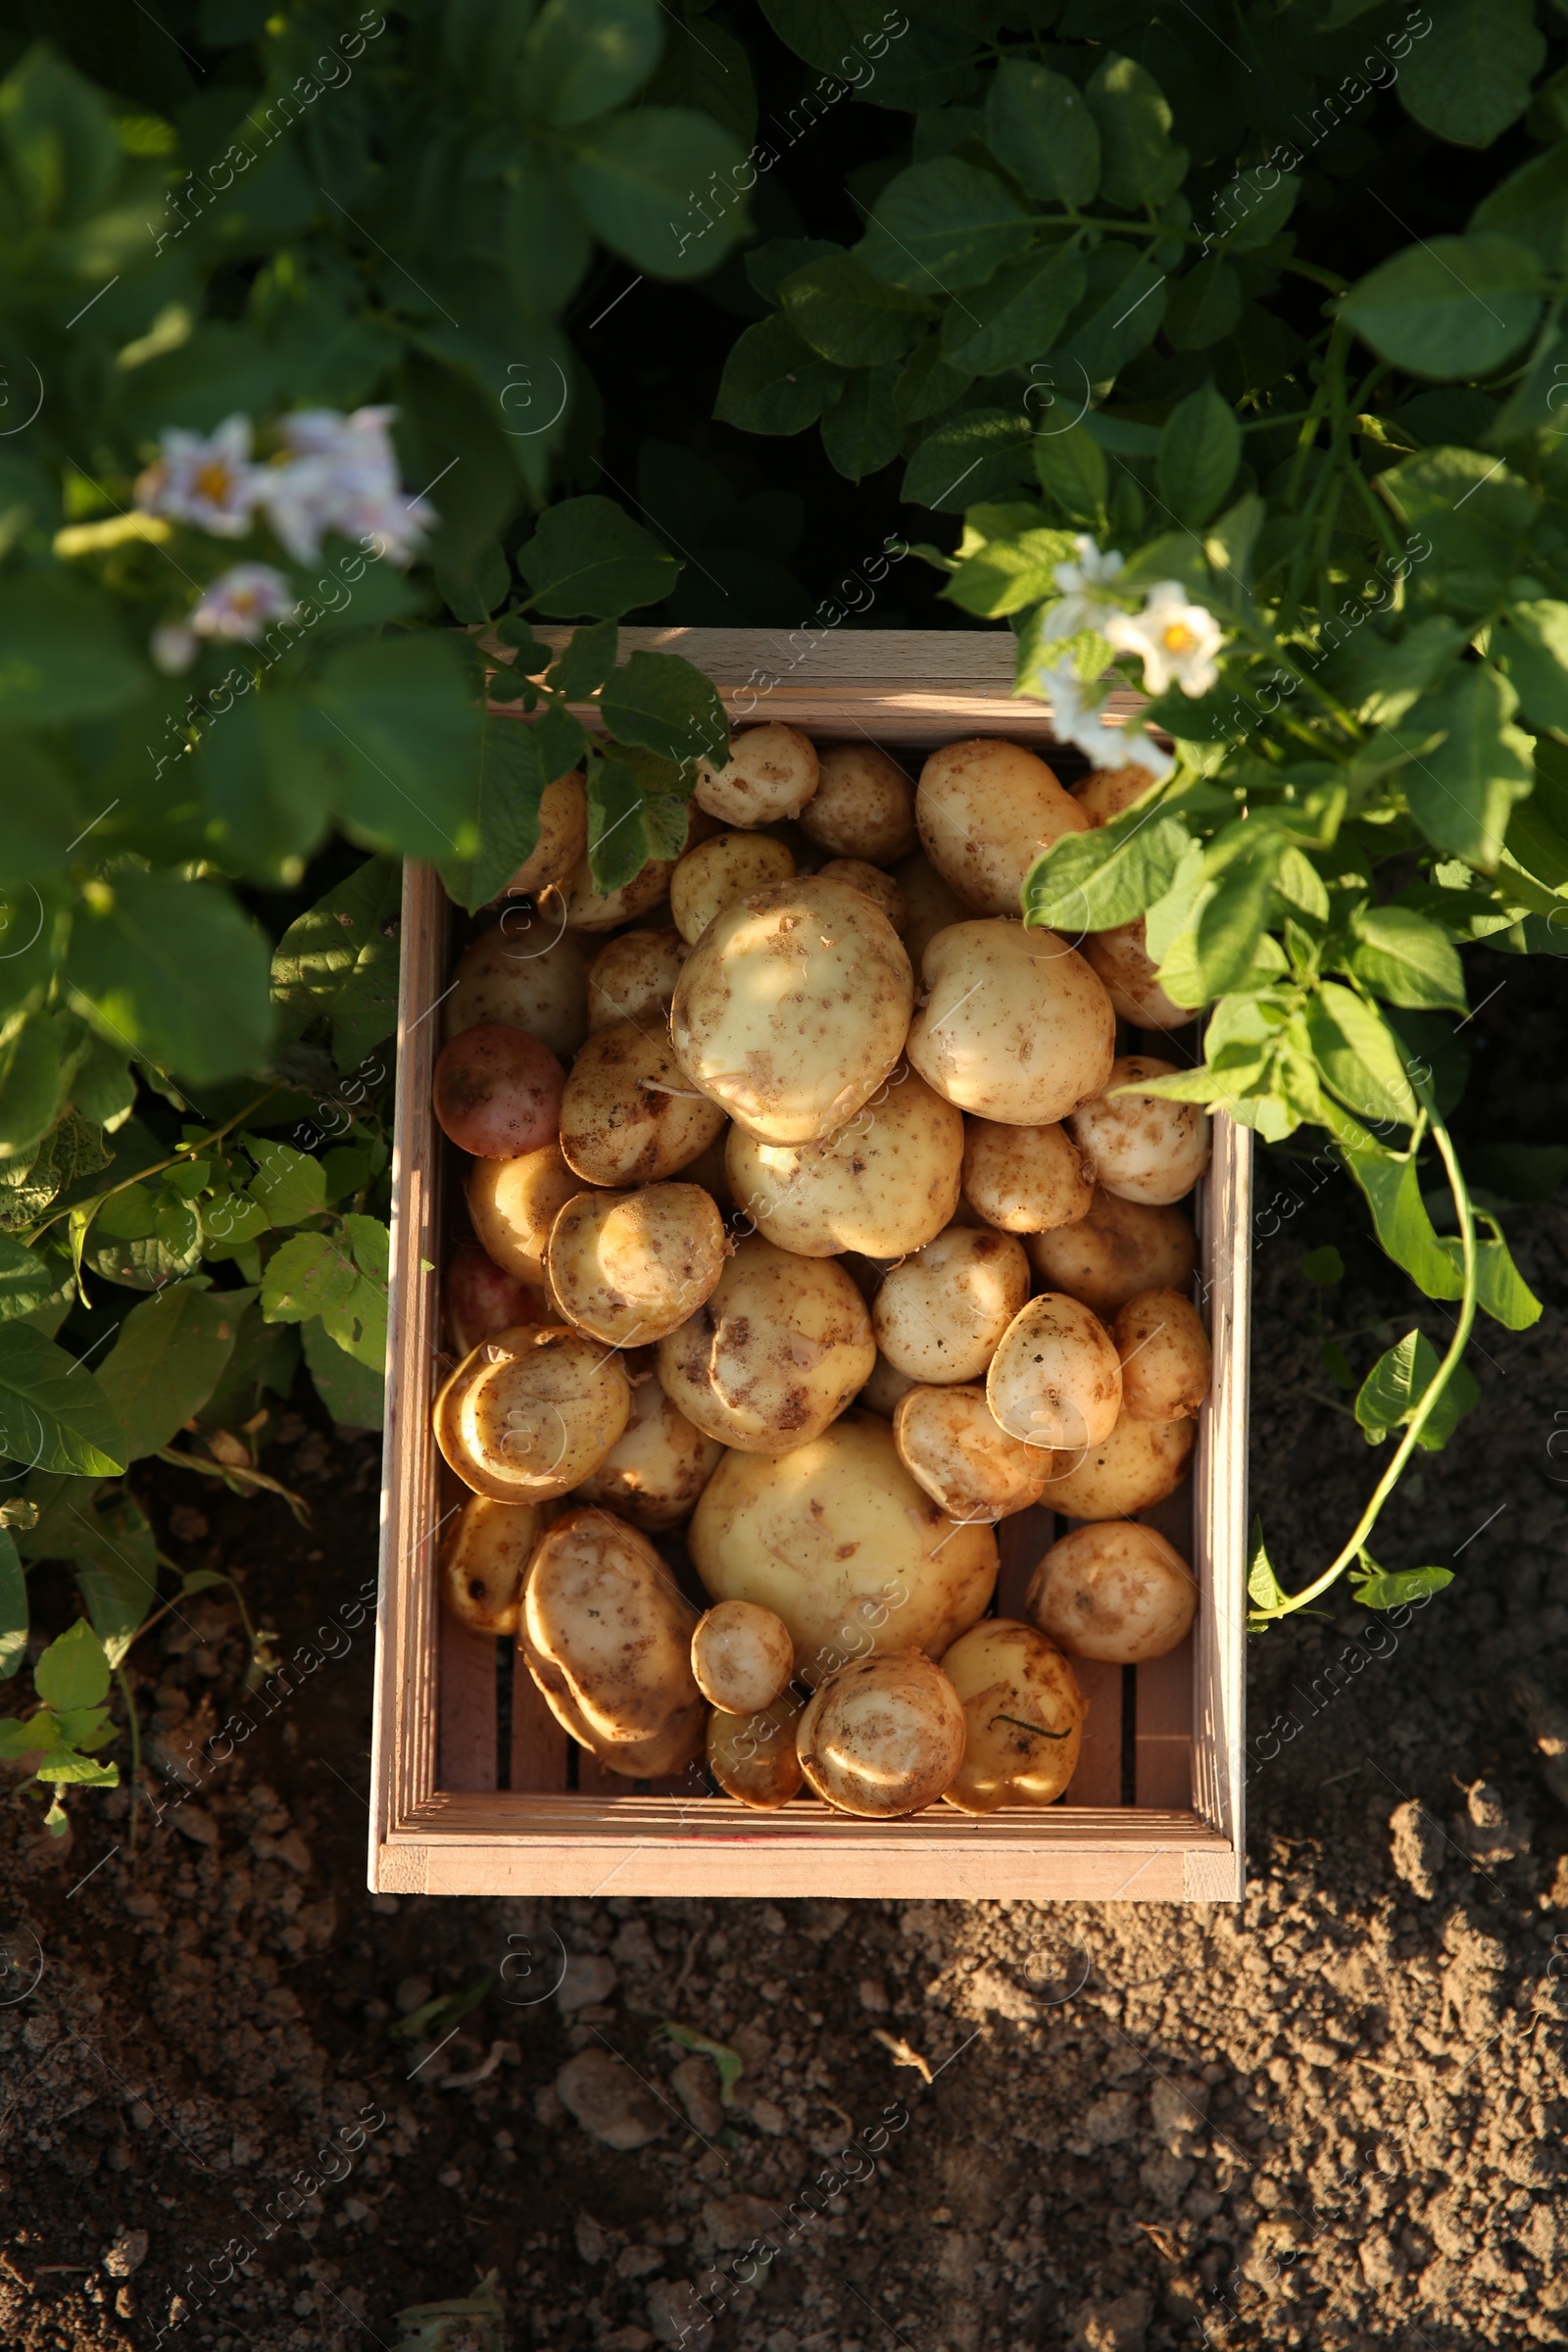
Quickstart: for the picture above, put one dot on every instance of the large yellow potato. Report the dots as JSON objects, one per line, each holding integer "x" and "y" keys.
{"x": 1119, "y": 1593}
{"x": 530, "y": 1412}
{"x": 484, "y": 1562}
{"x": 941, "y": 1314}
{"x": 882, "y": 1736}
{"x": 527, "y": 972}
{"x": 1107, "y": 791}
{"x": 1142, "y": 1147}
{"x": 628, "y": 1113}
{"x": 632, "y": 978}
{"x": 629, "y": 1266}
{"x": 1015, "y": 1026}
{"x": 743, "y": 1658}
{"x": 879, "y": 888}
{"x": 753, "y": 1757}
{"x": 588, "y": 909}
{"x": 563, "y": 835}
{"x": 885, "y": 1182}
{"x": 514, "y": 1203}
{"x": 1055, "y": 1378}
{"x": 607, "y": 1637}
{"x": 1131, "y": 977}
{"x": 1023, "y": 1714}
{"x": 863, "y": 804}
{"x": 775, "y": 1354}
{"x": 949, "y": 1439}
{"x": 929, "y": 904}
{"x": 792, "y": 1008}
{"x": 986, "y": 810}
{"x": 1165, "y": 1356}
{"x": 719, "y": 870}
{"x": 1138, "y": 1465}
{"x": 657, "y": 1466}
{"x": 1025, "y": 1179}
{"x": 837, "y": 1539}
{"x": 771, "y": 772}
{"x": 1115, "y": 1250}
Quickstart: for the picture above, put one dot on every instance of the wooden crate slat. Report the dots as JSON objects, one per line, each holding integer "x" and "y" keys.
{"x": 539, "y": 1746}
{"x": 1021, "y": 1539}
{"x": 1219, "y": 1537}
{"x": 469, "y": 1713}
{"x": 1098, "y": 1778}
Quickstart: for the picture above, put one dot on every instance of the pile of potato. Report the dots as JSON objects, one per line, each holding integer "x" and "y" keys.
{"x": 812, "y": 1215}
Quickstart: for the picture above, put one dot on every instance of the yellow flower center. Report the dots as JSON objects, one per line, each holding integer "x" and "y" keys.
{"x": 1178, "y": 638}
{"x": 214, "y": 482}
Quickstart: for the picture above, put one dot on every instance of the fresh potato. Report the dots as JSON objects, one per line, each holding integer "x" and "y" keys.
{"x": 882, "y": 1736}
{"x": 792, "y": 1008}
{"x": 771, "y": 772}
{"x": 632, "y": 978}
{"x": 485, "y": 1563}
{"x": 951, "y": 1445}
{"x": 478, "y": 1298}
{"x": 863, "y": 804}
{"x": 885, "y": 1182}
{"x": 529, "y": 1413}
{"x": 628, "y": 1113}
{"x": 775, "y": 1354}
{"x": 587, "y": 908}
{"x": 753, "y": 1757}
{"x": 1015, "y": 1026}
{"x": 1025, "y": 1179}
{"x": 1164, "y": 1354}
{"x": 497, "y": 1092}
{"x": 837, "y": 1539}
{"x": 941, "y": 1315}
{"x": 1116, "y": 1249}
{"x": 721, "y": 869}
{"x": 879, "y": 888}
{"x": 985, "y": 812}
{"x": 629, "y": 1266}
{"x": 527, "y": 972}
{"x": 1142, "y": 1147}
{"x": 929, "y": 905}
{"x": 1119, "y": 1593}
{"x": 657, "y": 1466}
{"x": 743, "y": 1658}
{"x": 883, "y": 1389}
{"x": 563, "y": 835}
{"x": 1131, "y": 1469}
{"x": 514, "y": 1203}
{"x": 1023, "y": 1717}
{"x": 1055, "y": 1378}
{"x": 1107, "y": 791}
{"x": 607, "y": 1637}
{"x": 1131, "y": 977}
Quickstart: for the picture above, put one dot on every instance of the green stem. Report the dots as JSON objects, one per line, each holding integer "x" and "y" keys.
{"x": 186, "y": 1152}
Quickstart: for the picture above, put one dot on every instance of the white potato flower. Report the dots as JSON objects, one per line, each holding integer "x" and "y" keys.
{"x": 341, "y": 474}
{"x": 1076, "y": 722}
{"x": 204, "y": 478}
{"x": 1082, "y": 606}
{"x": 1176, "y": 641}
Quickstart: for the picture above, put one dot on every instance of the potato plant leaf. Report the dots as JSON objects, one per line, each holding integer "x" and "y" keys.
{"x": 1395, "y": 1386}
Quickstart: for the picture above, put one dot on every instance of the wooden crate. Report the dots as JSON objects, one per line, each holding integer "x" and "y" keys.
{"x": 464, "y": 1804}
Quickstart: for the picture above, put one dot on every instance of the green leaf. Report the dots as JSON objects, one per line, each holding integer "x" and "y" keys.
{"x": 1374, "y": 1588}
{"x": 1072, "y": 472}
{"x": 1473, "y": 514}
{"x": 26, "y": 1279}
{"x": 1501, "y": 1288}
{"x": 773, "y": 382}
{"x": 1532, "y": 205}
{"x": 174, "y": 971}
{"x": 1406, "y": 958}
{"x": 288, "y": 1185}
{"x": 353, "y": 1393}
{"x": 1205, "y": 304}
{"x": 513, "y": 776}
{"x": 849, "y": 317}
{"x": 979, "y": 455}
{"x": 1448, "y": 307}
{"x": 64, "y": 661}
{"x": 1247, "y": 214}
{"x": 327, "y": 1274}
{"x": 1360, "y": 1055}
{"x": 1094, "y": 881}
{"x": 634, "y": 175}
{"x": 1004, "y": 575}
{"x": 1469, "y": 76}
{"x": 1140, "y": 161}
{"x": 14, "y": 1619}
{"x": 1039, "y": 128}
{"x": 103, "y": 1088}
{"x": 32, "y": 1081}
{"x": 1121, "y": 313}
{"x": 585, "y": 660}
{"x": 582, "y": 57}
{"x": 1392, "y": 1189}
{"x": 1462, "y": 792}
{"x": 340, "y": 960}
{"x": 53, "y": 1414}
{"x": 169, "y": 1357}
{"x": 115, "y": 1559}
{"x": 665, "y": 705}
{"x": 1264, "y": 1588}
{"x": 943, "y": 226}
{"x": 618, "y": 840}
{"x": 1200, "y": 451}
{"x": 588, "y": 556}
{"x": 1017, "y": 316}
{"x": 1324, "y": 1267}
{"x": 861, "y": 432}
{"x": 730, "y": 2063}
{"x": 73, "y": 1671}
{"x": 1533, "y": 643}
{"x": 1395, "y": 1386}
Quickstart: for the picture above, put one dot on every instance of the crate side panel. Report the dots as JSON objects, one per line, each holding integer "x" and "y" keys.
{"x": 1220, "y": 1542}
{"x": 466, "y": 1748}
{"x": 539, "y": 1744}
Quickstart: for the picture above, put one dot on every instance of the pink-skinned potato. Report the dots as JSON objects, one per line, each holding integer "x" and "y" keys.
{"x": 478, "y": 1298}
{"x": 498, "y": 1092}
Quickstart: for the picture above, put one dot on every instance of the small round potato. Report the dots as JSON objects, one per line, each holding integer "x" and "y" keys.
{"x": 719, "y": 870}
{"x": 1138, "y": 1465}
{"x": 743, "y": 1658}
{"x": 607, "y": 1637}
{"x": 514, "y": 1203}
{"x": 629, "y": 1266}
{"x": 771, "y": 772}
{"x": 1107, "y": 791}
{"x": 524, "y": 971}
{"x": 1131, "y": 978}
{"x": 1025, "y": 1179}
{"x": 774, "y": 1354}
{"x": 478, "y": 1298}
{"x": 659, "y": 1465}
{"x": 950, "y": 1441}
{"x": 753, "y": 1757}
{"x": 837, "y": 1539}
{"x": 528, "y": 1414}
{"x": 1165, "y": 1356}
{"x": 1119, "y": 1593}
{"x": 883, "y": 1389}
{"x": 941, "y": 1315}
{"x": 588, "y": 909}
{"x": 792, "y": 1008}
{"x": 1142, "y": 1147}
{"x": 563, "y": 836}
{"x": 1023, "y": 1714}
{"x": 884, "y": 1183}
{"x": 882, "y": 1736}
{"x": 485, "y": 1563}
{"x": 929, "y": 905}
{"x": 986, "y": 810}
{"x": 1115, "y": 1250}
{"x": 879, "y": 888}
{"x": 863, "y": 804}
{"x": 496, "y": 1092}
{"x": 628, "y": 1113}
{"x": 632, "y": 978}
{"x": 1055, "y": 1378}
{"x": 1015, "y": 1026}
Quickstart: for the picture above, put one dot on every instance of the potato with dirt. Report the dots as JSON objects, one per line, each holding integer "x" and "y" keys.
{"x": 774, "y": 1356}
{"x": 563, "y": 835}
{"x": 530, "y": 1412}
{"x": 771, "y": 772}
{"x": 1025, "y": 1179}
{"x": 497, "y": 1092}
{"x": 628, "y": 1267}
{"x": 512, "y": 1204}
{"x": 1131, "y": 1469}
{"x": 628, "y": 1112}
{"x": 882, "y": 1736}
{"x": 1142, "y": 1147}
{"x": 1107, "y": 791}
{"x": 952, "y": 1444}
{"x": 1165, "y": 1356}
{"x": 885, "y": 1182}
{"x": 485, "y": 1563}
{"x": 478, "y": 1298}
{"x": 986, "y": 810}
{"x": 584, "y": 907}
{"x": 1015, "y": 1026}
{"x": 607, "y": 1637}
{"x": 1116, "y": 1249}
{"x": 659, "y": 1465}
{"x": 941, "y": 1314}
{"x": 633, "y": 977}
{"x": 753, "y": 1757}
{"x": 1056, "y": 1379}
{"x": 792, "y": 1008}
{"x": 1131, "y": 978}
{"x": 1119, "y": 1593}
{"x": 743, "y": 1658}
{"x": 1024, "y": 1715}
{"x": 929, "y": 904}
{"x": 835, "y": 1538}
{"x": 527, "y": 974}
{"x": 721, "y": 869}
{"x": 863, "y": 804}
